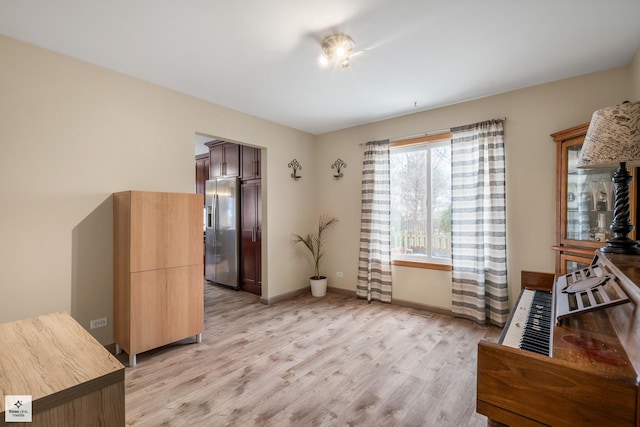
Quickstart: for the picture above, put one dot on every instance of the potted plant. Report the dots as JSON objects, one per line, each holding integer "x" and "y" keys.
{"x": 315, "y": 243}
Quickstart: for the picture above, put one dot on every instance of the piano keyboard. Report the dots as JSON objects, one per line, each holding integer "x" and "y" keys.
{"x": 530, "y": 326}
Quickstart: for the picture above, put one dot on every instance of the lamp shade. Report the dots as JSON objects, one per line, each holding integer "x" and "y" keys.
{"x": 613, "y": 137}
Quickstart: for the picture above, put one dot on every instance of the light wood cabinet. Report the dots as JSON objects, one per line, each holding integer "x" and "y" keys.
{"x": 584, "y": 203}
{"x": 158, "y": 264}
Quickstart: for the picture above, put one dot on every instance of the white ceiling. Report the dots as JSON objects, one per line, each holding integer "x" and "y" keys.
{"x": 260, "y": 56}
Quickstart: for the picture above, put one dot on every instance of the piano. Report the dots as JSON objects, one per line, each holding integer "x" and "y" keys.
{"x": 572, "y": 357}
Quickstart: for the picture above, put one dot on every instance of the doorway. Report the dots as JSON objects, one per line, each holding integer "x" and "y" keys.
{"x": 220, "y": 159}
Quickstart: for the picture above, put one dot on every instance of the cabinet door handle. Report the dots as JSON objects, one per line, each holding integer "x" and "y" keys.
{"x": 253, "y": 234}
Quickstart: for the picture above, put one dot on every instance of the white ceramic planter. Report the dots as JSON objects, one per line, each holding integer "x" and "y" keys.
{"x": 318, "y": 287}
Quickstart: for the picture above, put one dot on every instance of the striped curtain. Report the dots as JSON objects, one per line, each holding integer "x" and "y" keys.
{"x": 374, "y": 261}
{"x": 478, "y": 223}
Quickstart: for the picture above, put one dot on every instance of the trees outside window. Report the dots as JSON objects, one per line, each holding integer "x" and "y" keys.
{"x": 421, "y": 202}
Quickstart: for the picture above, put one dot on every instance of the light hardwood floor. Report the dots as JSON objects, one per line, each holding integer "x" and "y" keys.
{"x": 331, "y": 361}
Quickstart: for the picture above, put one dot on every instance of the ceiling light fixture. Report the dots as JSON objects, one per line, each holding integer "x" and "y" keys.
{"x": 338, "y": 48}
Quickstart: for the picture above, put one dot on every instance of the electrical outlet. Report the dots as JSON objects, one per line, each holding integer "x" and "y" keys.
{"x": 339, "y": 274}
{"x": 98, "y": 323}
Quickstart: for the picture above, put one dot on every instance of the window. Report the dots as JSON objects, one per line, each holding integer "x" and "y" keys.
{"x": 421, "y": 200}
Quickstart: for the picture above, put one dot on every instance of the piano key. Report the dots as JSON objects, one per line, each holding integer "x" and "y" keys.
{"x": 530, "y": 327}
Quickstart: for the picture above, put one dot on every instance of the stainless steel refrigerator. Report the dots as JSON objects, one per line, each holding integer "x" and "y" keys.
{"x": 222, "y": 241}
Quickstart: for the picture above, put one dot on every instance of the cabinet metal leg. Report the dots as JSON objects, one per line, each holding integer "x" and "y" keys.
{"x": 199, "y": 338}
{"x": 118, "y": 349}
{"x": 132, "y": 360}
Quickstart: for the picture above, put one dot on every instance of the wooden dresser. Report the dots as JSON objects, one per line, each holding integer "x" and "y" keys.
{"x": 72, "y": 379}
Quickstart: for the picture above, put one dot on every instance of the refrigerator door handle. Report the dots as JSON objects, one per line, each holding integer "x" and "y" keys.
{"x": 215, "y": 219}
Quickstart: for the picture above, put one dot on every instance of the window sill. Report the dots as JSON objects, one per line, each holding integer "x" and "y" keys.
{"x": 427, "y": 265}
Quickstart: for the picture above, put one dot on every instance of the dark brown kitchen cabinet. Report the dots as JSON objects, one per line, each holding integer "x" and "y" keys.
{"x": 224, "y": 159}
{"x": 250, "y": 163}
{"x": 251, "y": 224}
{"x": 202, "y": 172}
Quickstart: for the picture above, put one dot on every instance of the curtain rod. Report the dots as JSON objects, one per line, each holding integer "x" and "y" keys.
{"x": 427, "y": 133}
{"x": 416, "y": 135}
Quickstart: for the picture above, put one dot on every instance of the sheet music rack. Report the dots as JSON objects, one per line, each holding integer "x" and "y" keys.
{"x": 587, "y": 289}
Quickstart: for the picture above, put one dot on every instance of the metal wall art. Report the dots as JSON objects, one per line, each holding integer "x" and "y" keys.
{"x": 296, "y": 167}
{"x": 338, "y": 165}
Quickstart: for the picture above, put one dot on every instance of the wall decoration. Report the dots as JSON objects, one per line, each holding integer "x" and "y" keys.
{"x": 296, "y": 167}
{"x": 338, "y": 165}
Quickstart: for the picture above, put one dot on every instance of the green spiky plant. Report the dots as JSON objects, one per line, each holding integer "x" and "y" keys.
{"x": 315, "y": 242}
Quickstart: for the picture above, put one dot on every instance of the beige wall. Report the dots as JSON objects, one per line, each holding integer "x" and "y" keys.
{"x": 635, "y": 78}
{"x": 532, "y": 114}
{"x": 71, "y": 134}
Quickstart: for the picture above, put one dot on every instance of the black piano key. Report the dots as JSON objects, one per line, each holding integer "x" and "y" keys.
{"x": 532, "y": 341}
{"x": 535, "y": 349}
{"x": 538, "y": 342}
{"x": 536, "y": 335}
{"x": 542, "y": 349}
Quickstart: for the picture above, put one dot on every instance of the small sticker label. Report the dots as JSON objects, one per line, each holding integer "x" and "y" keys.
{"x": 17, "y": 408}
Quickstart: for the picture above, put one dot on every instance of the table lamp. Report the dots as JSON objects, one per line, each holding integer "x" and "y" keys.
{"x": 613, "y": 139}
